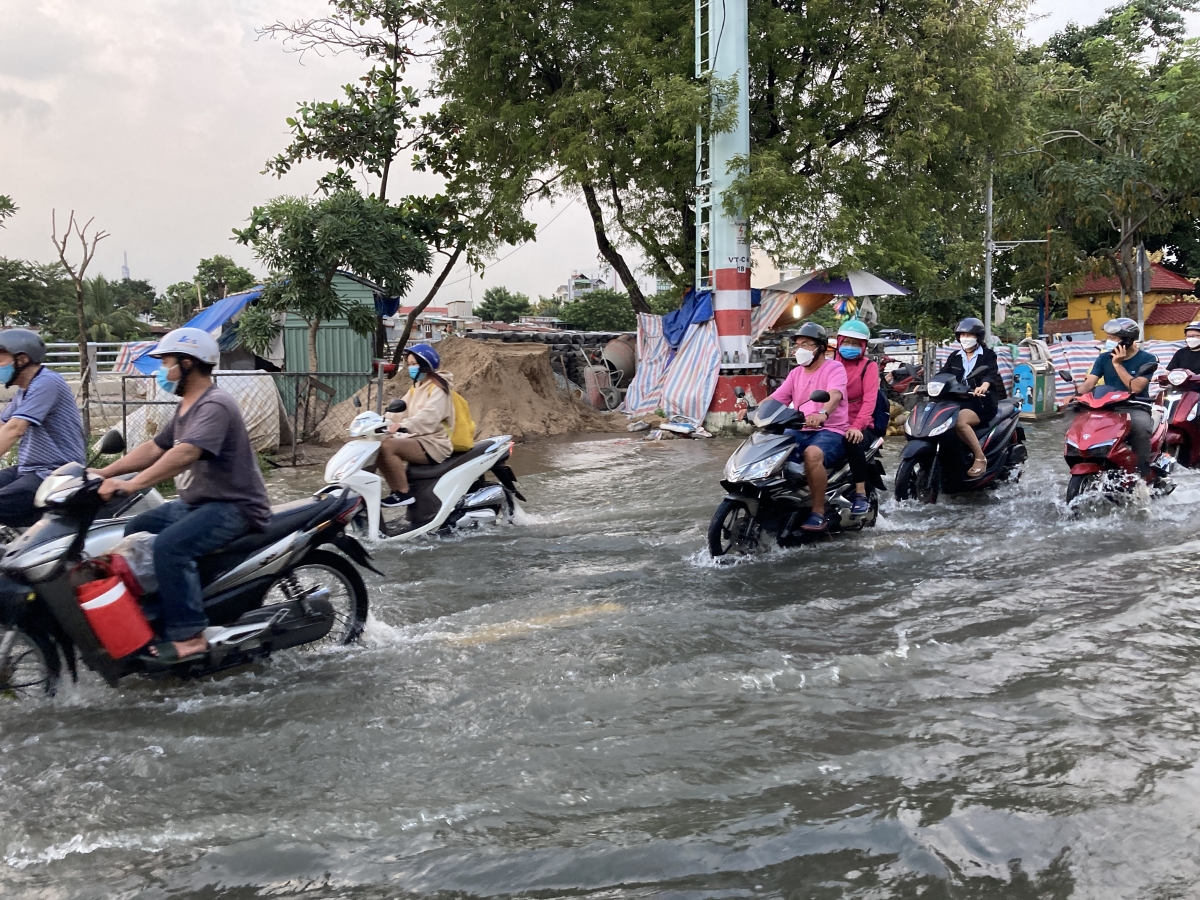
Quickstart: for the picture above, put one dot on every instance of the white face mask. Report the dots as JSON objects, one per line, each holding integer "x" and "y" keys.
{"x": 968, "y": 342}
{"x": 1193, "y": 342}
{"x": 1110, "y": 346}
{"x": 804, "y": 357}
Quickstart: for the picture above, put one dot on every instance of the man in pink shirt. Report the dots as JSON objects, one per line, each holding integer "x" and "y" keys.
{"x": 822, "y": 440}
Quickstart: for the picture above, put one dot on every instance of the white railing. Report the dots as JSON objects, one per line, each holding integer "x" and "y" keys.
{"x": 64, "y": 357}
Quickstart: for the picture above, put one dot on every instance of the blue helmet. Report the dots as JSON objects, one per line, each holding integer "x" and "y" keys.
{"x": 427, "y": 355}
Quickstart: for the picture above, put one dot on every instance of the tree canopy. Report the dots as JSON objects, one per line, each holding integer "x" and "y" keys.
{"x": 502, "y": 305}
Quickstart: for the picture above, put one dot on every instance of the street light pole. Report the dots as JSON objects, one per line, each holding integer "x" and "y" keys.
{"x": 987, "y": 264}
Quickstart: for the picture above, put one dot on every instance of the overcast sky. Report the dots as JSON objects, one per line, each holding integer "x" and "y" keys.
{"x": 156, "y": 116}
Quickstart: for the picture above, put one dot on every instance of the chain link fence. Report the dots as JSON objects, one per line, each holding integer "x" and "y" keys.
{"x": 283, "y": 410}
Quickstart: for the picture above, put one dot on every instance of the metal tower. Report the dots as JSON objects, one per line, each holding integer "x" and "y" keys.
{"x": 125, "y": 268}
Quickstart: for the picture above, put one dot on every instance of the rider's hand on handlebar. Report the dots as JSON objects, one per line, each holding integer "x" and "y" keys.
{"x": 981, "y": 390}
{"x": 112, "y": 487}
{"x": 393, "y": 427}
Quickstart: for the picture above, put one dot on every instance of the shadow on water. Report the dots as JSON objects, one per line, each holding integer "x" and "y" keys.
{"x": 989, "y": 698}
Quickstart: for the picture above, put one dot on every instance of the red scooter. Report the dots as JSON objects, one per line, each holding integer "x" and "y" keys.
{"x": 1180, "y": 400}
{"x": 1097, "y": 448}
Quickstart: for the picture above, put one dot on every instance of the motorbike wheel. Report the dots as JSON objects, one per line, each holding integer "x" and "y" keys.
{"x": 1082, "y": 484}
{"x": 32, "y": 667}
{"x": 347, "y": 593}
{"x": 873, "y": 510}
{"x": 917, "y": 479}
{"x": 728, "y": 530}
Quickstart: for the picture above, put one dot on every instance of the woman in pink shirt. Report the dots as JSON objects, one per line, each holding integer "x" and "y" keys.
{"x": 821, "y": 440}
{"x": 862, "y": 393}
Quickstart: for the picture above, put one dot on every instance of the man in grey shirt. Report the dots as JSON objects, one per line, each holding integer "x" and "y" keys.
{"x": 207, "y": 450}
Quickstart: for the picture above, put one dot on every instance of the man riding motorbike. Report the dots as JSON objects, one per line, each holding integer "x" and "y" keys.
{"x": 984, "y": 396}
{"x": 1118, "y": 366}
{"x": 41, "y": 415}
{"x": 206, "y": 448}
{"x": 1188, "y": 357}
{"x": 821, "y": 440}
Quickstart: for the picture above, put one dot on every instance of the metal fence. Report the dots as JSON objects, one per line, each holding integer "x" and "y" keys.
{"x": 283, "y": 411}
{"x": 64, "y": 358}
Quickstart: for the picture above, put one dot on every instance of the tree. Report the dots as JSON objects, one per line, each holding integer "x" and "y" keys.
{"x": 108, "y": 316}
{"x": 502, "y": 305}
{"x": 1109, "y": 159}
{"x": 177, "y": 304}
{"x": 76, "y": 274}
{"x": 32, "y": 294}
{"x": 304, "y": 242}
{"x": 219, "y": 276}
{"x": 7, "y": 208}
{"x": 600, "y": 310}
{"x": 610, "y": 113}
{"x": 480, "y": 206}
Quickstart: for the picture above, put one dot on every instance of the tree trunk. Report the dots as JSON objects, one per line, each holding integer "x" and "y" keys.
{"x": 84, "y": 373}
{"x": 611, "y": 254}
{"x": 313, "y": 361}
{"x": 398, "y": 353}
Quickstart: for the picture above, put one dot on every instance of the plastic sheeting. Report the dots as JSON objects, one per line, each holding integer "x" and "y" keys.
{"x": 681, "y": 383}
{"x": 256, "y": 396}
{"x": 653, "y": 355}
{"x": 210, "y": 320}
{"x": 697, "y": 307}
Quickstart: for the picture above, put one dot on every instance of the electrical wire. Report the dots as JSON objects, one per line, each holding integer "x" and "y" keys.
{"x": 516, "y": 248}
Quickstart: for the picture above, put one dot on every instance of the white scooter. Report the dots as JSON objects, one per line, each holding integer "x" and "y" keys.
{"x": 447, "y": 494}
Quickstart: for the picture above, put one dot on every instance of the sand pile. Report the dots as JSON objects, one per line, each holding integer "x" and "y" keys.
{"x": 510, "y": 388}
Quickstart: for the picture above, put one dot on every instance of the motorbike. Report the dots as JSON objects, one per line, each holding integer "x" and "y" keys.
{"x": 1097, "y": 444}
{"x": 448, "y": 495}
{"x": 1180, "y": 400}
{"x": 902, "y": 383}
{"x": 936, "y": 461}
{"x": 264, "y": 592}
{"x": 767, "y": 491}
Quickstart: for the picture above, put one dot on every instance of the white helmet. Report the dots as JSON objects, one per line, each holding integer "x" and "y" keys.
{"x": 194, "y": 342}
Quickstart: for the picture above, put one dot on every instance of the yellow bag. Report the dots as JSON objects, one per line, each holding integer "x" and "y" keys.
{"x": 462, "y": 438}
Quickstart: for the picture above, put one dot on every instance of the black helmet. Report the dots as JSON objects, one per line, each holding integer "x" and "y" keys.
{"x": 970, "y": 326}
{"x": 815, "y": 332}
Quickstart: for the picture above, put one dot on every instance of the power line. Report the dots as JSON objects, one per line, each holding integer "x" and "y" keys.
{"x": 518, "y": 247}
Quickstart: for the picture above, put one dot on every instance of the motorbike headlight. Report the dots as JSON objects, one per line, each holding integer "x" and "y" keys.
{"x": 1072, "y": 448}
{"x": 1177, "y": 377}
{"x": 51, "y": 489}
{"x": 943, "y": 428}
{"x": 1100, "y": 451}
{"x": 935, "y": 387}
{"x": 908, "y": 424}
{"x": 762, "y": 468}
{"x": 349, "y": 466}
{"x": 366, "y": 423}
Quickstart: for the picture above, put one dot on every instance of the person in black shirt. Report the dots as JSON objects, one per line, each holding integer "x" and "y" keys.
{"x": 987, "y": 387}
{"x": 1188, "y": 357}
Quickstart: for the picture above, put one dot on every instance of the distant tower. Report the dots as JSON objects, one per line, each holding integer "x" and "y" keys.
{"x": 125, "y": 268}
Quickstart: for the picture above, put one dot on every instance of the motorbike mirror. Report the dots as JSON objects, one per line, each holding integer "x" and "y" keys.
{"x": 1147, "y": 370}
{"x": 1066, "y": 376}
{"x": 819, "y": 396}
{"x": 739, "y": 392}
{"x": 112, "y": 442}
{"x": 397, "y": 406}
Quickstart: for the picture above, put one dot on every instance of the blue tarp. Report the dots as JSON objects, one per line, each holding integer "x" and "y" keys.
{"x": 386, "y": 306}
{"x": 207, "y": 319}
{"x": 697, "y": 307}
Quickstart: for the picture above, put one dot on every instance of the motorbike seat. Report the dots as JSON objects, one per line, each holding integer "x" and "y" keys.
{"x": 437, "y": 470}
{"x": 1004, "y": 409}
{"x": 285, "y": 518}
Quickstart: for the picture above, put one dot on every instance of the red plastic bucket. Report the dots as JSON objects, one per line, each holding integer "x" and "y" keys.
{"x": 115, "y": 616}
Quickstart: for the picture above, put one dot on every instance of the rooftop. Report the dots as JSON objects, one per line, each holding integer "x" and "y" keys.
{"x": 1173, "y": 314}
{"x": 1068, "y": 326}
{"x": 1162, "y": 280}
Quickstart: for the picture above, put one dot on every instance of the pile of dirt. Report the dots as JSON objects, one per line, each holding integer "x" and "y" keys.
{"x": 510, "y": 389}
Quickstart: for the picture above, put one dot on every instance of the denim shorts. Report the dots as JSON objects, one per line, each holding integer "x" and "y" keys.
{"x": 832, "y": 444}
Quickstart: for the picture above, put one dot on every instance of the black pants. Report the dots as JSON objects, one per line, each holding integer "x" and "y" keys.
{"x": 856, "y": 456}
{"x": 16, "y": 498}
{"x": 1140, "y": 427}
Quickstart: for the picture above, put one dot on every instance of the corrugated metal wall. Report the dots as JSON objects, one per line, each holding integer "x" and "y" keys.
{"x": 338, "y": 348}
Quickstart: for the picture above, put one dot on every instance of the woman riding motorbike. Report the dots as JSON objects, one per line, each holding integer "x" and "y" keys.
{"x": 423, "y": 429}
{"x": 984, "y": 397}
{"x": 862, "y": 393}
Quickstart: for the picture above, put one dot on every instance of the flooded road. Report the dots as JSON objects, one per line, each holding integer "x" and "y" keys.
{"x": 987, "y": 698}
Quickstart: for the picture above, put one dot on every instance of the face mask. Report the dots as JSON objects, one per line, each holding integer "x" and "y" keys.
{"x": 1193, "y": 342}
{"x": 804, "y": 357}
{"x": 7, "y": 373}
{"x": 850, "y": 352}
{"x": 414, "y": 372}
{"x": 968, "y": 342}
{"x": 1110, "y": 346}
{"x": 163, "y": 381}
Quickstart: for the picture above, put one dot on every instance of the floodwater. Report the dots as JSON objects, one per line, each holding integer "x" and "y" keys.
{"x": 988, "y": 698}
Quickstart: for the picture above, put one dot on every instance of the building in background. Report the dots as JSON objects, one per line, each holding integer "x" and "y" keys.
{"x": 1170, "y": 304}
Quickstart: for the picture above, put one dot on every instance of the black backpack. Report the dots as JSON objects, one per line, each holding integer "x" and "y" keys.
{"x": 882, "y": 416}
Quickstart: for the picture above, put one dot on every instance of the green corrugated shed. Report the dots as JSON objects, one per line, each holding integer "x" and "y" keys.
{"x": 339, "y": 348}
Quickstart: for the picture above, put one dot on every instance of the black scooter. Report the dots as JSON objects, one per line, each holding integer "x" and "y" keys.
{"x": 935, "y": 460}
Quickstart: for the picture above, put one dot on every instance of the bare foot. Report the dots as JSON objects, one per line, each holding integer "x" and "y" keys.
{"x": 195, "y": 644}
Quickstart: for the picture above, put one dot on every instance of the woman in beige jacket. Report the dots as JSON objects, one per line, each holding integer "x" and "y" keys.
{"x": 423, "y": 430}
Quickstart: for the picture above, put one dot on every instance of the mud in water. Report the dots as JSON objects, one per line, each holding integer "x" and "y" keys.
{"x": 986, "y": 698}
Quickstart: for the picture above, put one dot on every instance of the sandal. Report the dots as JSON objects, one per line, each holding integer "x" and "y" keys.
{"x": 814, "y": 522}
{"x": 166, "y": 654}
{"x": 978, "y": 467}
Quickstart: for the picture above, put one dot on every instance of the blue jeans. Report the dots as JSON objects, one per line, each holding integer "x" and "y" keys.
{"x": 16, "y": 498}
{"x": 186, "y": 533}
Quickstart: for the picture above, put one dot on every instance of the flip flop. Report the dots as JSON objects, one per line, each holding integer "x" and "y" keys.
{"x": 814, "y": 523}
{"x": 977, "y": 468}
{"x": 167, "y": 655}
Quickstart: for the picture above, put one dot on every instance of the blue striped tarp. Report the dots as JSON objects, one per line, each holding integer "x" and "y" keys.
{"x": 653, "y": 354}
{"x": 691, "y": 377}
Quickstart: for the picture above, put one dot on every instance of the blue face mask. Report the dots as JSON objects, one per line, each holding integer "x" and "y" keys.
{"x": 163, "y": 381}
{"x": 848, "y": 352}
{"x": 7, "y": 373}
{"x": 414, "y": 372}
